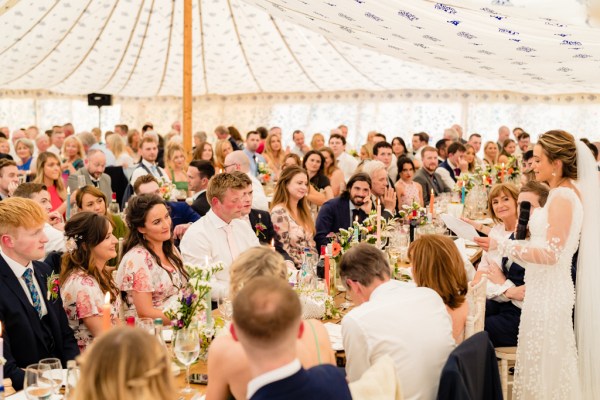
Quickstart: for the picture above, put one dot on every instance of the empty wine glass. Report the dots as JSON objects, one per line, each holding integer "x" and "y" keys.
{"x": 146, "y": 324}
{"x": 56, "y": 372}
{"x": 72, "y": 378}
{"x": 187, "y": 350}
{"x": 37, "y": 383}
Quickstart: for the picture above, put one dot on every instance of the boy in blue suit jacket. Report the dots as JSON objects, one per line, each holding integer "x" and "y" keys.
{"x": 267, "y": 320}
{"x": 34, "y": 325}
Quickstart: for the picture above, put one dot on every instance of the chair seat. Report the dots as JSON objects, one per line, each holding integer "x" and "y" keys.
{"x": 507, "y": 353}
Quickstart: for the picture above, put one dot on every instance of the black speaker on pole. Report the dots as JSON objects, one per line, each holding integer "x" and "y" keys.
{"x": 99, "y": 100}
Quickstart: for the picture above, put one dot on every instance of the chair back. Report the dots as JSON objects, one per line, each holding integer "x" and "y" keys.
{"x": 476, "y": 300}
{"x": 120, "y": 251}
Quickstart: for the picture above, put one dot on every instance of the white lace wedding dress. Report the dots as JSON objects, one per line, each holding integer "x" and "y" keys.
{"x": 546, "y": 365}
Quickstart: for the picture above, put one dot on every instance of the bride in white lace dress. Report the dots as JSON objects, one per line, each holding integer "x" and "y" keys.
{"x": 547, "y": 364}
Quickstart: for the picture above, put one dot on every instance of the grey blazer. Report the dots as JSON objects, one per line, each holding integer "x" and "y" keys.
{"x": 104, "y": 183}
{"x": 426, "y": 182}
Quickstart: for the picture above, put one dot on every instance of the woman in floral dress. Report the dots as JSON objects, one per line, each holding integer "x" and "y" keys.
{"x": 151, "y": 272}
{"x": 85, "y": 280}
{"x": 290, "y": 214}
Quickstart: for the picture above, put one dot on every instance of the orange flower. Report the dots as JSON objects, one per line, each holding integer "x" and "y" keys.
{"x": 266, "y": 177}
{"x": 511, "y": 171}
{"x": 336, "y": 248}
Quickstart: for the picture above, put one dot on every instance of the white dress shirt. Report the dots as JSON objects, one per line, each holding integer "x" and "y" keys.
{"x": 140, "y": 171}
{"x": 53, "y": 149}
{"x": 19, "y": 270}
{"x": 272, "y": 376}
{"x": 347, "y": 164}
{"x": 259, "y": 198}
{"x": 445, "y": 174}
{"x": 56, "y": 239}
{"x": 206, "y": 238}
{"x": 411, "y": 325}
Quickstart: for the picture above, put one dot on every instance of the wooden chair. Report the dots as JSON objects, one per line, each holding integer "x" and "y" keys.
{"x": 476, "y": 300}
{"x": 505, "y": 355}
{"x": 120, "y": 251}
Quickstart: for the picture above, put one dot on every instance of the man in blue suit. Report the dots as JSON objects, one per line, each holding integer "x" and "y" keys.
{"x": 267, "y": 321}
{"x": 34, "y": 326}
{"x": 182, "y": 215}
{"x": 339, "y": 213}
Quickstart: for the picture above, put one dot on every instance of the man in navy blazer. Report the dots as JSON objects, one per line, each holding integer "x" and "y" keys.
{"x": 267, "y": 321}
{"x": 34, "y": 326}
{"x": 339, "y": 213}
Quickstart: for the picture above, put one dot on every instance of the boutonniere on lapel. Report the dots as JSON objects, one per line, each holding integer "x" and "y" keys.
{"x": 53, "y": 284}
{"x": 259, "y": 228}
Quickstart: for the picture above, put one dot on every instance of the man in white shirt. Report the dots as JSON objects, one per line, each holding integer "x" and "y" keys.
{"x": 55, "y": 226}
{"x": 475, "y": 141}
{"x": 9, "y": 177}
{"x": 344, "y": 161}
{"x": 237, "y": 161}
{"x": 300, "y": 148}
{"x": 57, "y": 138}
{"x": 454, "y": 164}
{"x": 148, "y": 164}
{"x": 419, "y": 141}
{"x": 220, "y": 235}
{"x": 252, "y": 142}
{"x": 408, "y": 323}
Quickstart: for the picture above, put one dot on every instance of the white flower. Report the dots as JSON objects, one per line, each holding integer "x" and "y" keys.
{"x": 2, "y": 361}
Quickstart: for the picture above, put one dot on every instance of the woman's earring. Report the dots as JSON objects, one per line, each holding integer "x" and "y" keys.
{"x": 553, "y": 173}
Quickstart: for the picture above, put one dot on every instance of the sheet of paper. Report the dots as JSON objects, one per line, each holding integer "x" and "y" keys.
{"x": 459, "y": 227}
{"x": 335, "y": 335}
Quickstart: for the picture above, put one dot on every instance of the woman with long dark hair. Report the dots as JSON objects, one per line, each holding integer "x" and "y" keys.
{"x": 151, "y": 272}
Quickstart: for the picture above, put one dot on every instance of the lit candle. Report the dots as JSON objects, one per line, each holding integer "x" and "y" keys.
{"x": 431, "y": 202}
{"x": 68, "y": 203}
{"x": 106, "y": 322}
{"x": 273, "y": 244}
{"x": 378, "y": 224}
{"x": 355, "y": 234}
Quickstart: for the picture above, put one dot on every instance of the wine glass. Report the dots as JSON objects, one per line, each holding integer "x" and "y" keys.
{"x": 72, "y": 378}
{"x": 146, "y": 324}
{"x": 56, "y": 372}
{"x": 37, "y": 383}
{"x": 187, "y": 350}
{"x": 226, "y": 308}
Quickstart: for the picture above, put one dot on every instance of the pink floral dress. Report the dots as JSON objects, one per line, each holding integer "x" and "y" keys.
{"x": 140, "y": 273}
{"x": 83, "y": 298}
{"x": 292, "y": 237}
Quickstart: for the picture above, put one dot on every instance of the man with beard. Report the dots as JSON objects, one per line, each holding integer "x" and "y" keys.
{"x": 428, "y": 178}
{"x": 94, "y": 173}
{"x": 339, "y": 213}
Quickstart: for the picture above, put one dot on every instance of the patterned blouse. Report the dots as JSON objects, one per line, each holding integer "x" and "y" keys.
{"x": 139, "y": 272}
{"x": 83, "y": 298}
{"x": 290, "y": 236}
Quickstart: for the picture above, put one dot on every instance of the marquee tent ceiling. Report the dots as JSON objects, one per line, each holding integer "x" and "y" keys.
{"x": 134, "y": 47}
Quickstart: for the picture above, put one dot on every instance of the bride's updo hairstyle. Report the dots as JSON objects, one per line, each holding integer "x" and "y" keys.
{"x": 560, "y": 145}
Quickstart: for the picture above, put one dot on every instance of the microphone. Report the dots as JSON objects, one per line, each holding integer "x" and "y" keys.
{"x": 524, "y": 211}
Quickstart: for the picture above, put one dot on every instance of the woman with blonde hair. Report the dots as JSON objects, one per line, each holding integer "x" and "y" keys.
{"x": 290, "y": 214}
{"x": 438, "y": 265}
{"x": 366, "y": 152}
{"x": 126, "y": 363}
{"x": 116, "y": 144}
{"x": 84, "y": 277}
{"x": 490, "y": 154}
{"x": 274, "y": 154}
{"x": 230, "y": 377}
{"x": 24, "y": 150}
{"x": 317, "y": 142}
{"x": 470, "y": 158}
{"x": 48, "y": 173}
{"x": 72, "y": 154}
{"x": 177, "y": 166}
{"x": 335, "y": 175}
{"x": 222, "y": 148}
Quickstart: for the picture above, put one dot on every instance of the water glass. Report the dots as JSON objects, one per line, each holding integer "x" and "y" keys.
{"x": 72, "y": 378}
{"x": 56, "y": 371}
{"x": 146, "y": 324}
{"x": 37, "y": 383}
{"x": 187, "y": 350}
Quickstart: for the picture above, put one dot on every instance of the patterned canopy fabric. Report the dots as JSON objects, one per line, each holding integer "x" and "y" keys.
{"x": 134, "y": 47}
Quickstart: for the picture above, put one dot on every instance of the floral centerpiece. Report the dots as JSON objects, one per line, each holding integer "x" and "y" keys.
{"x": 264, "y": 173}
{"x": 480, "y": 176}
{"x": 316, "y": 304}
{"x": 165, "y": 189}
{"x": 414, "y": 212}
{"x": 508, "y": 171}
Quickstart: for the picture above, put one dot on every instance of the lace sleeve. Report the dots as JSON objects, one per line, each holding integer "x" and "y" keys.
{"x": 560, "y": 218}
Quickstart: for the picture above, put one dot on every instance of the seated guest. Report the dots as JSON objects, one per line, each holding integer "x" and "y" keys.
{"x": 320, "y": 189}
{"x": 237, "y": 161}
{"x": 222, "y": 149}
{"x": 151, "y": 272}
{"x": 274, "y": 154}
{"x": 220, "y": 235}
{"x": 380, "y": 188}
{"x": 126, "y": 363}
{"x": 24, "y": 150}
{"x": 410, "y": 324}
{"x": 407, "y": 190}
{"x": 232, "y": 377}
{"x": 93, "y": 173}
{"x": 149, "y": 165}
{"x": 335, "y": 175}
{"x": 470, "y": 158}
{"x": 366, "y": 152}
{"x": 382, "y": 151}
{"x": 267, "y": 323}
{"x": 259, "y": 220}
{"x": 182, "y": 215}
{"x": 509, "y": 148}
{"x": 292, "y": 160}
{"x": 33, "y": 327}
{"x": 252, "y": 142}
{"x": 93, "y": 200}
{"x": 290, "y": 214}
{"x": 399, "y": 147}
{"x": 199, "y": 173}
{"x": 204, "y": 151}
{"x": 317, "y": 142}
{"x": 427, "y": 176}
{"x": 9, "y": 177}
{"x": 345, "y": 161}
{"x": 454, "y": 164}
{"x": 490, "y": 154}
{"x": 72, "y": 155}
{"x": 300, "y": 147}
{"x": 177, "y": 167}
{"x": 438, "y": 265}
{"x": 339, "y": 213}
{"x": 48, "y": 174}
{"x": 84, "y": 278}
{"x": 55, "y": 225}
{"x": 116, "y": 144}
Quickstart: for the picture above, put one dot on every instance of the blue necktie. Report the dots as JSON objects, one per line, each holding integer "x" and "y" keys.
{"x": 35, "y": 296}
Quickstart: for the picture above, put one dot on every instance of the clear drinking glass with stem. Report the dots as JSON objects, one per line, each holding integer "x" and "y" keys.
{"x": 56, "y": 372}
{"x": 38, "y": 384}
{"x": 187, "y": 350}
